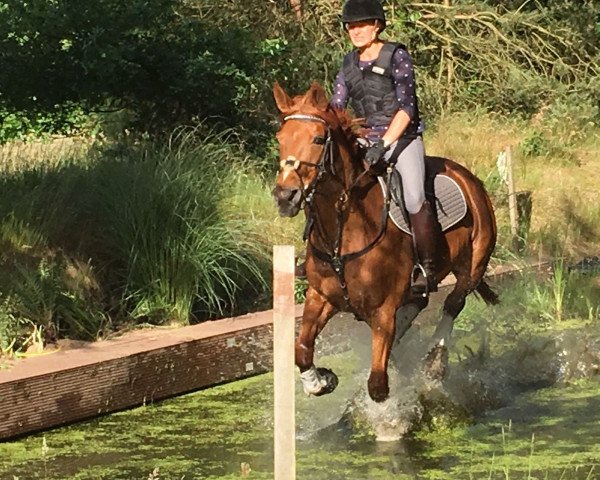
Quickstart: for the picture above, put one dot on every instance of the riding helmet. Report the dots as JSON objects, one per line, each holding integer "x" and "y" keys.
{"x": 359, "y": 10}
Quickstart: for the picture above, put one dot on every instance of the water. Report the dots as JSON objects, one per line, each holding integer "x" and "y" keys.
{"x": 529, "y": 410}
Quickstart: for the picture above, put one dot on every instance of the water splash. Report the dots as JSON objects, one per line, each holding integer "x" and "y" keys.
{"x": 392, "y": 419}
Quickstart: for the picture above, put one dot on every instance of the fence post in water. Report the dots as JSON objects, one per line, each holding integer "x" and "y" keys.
{"x": 284, "y": 330}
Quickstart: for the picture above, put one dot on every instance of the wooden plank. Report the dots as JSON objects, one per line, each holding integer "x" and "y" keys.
{"x": 66, "y": 386}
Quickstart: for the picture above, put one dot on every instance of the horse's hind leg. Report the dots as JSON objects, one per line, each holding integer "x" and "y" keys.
{"x": 317, "y": 311}
{"x": 436, "y": 359}
{"x": 469, "y": 277}
{"x": 406, "y": 314}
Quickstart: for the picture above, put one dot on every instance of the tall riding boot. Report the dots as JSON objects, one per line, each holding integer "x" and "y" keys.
{"x": 425, "y": 234}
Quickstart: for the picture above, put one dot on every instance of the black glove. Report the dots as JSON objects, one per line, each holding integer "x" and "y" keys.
{"x": 375, "y": 153}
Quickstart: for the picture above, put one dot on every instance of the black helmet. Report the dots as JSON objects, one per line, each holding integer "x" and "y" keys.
{"x": 359, "y": 10}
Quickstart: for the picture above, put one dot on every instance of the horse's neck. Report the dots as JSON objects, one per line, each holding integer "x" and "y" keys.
{"x": 345, "y": 195}
{"x": 348, "y": 167}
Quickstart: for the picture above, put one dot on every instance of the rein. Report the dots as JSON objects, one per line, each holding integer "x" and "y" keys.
{"x": 335, "y": 259}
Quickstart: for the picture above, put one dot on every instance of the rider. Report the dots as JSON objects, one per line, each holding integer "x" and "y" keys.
{"x": 378, "y": 79}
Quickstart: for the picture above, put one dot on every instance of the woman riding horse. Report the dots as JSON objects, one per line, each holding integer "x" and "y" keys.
{"x": 357, "y": 260}
{"x": 379, "y": 81}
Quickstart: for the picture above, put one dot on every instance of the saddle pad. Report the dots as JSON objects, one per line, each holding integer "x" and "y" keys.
{"x": 447, "y": 196}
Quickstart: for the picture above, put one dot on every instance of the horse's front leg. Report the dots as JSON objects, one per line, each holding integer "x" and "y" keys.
{"x": 317, "y": 311}
{"x": 383, "y": 328}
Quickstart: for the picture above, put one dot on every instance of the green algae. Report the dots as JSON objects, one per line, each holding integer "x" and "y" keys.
{"x": 205, "y": 428}
{"x": 539, "y": 433}
{"x": 548, "y": 433}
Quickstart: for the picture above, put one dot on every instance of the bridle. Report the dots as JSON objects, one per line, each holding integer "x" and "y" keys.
{"x": 325, "y": 158}
{"x": 325, "y": 161}
{"x": 336, "y": 260}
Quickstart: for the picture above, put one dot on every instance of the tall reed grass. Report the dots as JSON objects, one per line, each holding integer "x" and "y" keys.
{"x": 138, "y": 233}
{"x": 156, "y": 219}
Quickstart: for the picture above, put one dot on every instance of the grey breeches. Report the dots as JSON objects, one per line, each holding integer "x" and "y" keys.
{"x": 411, "y": 166}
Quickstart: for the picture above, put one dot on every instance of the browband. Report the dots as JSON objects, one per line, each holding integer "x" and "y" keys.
{"x": 303, "y": 116}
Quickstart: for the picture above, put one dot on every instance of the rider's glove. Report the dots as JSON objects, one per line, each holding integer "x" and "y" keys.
{"x": 375, "y": 153}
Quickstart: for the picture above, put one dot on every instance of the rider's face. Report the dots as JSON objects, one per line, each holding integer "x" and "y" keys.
{"x": 362, "y": 33}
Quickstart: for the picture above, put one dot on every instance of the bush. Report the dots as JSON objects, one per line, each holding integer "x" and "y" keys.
{"x": 172, "y": 62}
{"x": 137, "y": 233}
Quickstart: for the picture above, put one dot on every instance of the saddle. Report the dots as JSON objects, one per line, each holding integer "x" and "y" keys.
{"x": 442, "y": 192}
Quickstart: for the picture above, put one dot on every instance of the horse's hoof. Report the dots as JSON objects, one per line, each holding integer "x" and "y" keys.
{"x": 436, "y": 362}
{"x": 332, "y": 381}
{"x": 379, "y": 390}
{"x": 379, "y": 395}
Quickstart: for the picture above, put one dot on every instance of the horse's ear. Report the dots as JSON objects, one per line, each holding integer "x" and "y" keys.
{"x": 316, "y": 96}
{"x": 282, "y": 99}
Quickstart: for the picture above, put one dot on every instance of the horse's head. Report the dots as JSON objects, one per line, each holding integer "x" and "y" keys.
{"x": 304, "y": 139}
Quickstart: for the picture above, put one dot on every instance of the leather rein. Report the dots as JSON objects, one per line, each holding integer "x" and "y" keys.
{"x": 335, "y": 259}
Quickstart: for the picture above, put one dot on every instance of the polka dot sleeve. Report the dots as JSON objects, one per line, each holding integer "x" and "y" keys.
{"x": 339, "y": 99}
{"x": 404, "y": 81}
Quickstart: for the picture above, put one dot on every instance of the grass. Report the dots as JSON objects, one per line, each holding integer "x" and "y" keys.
{"x": 18, "y": 155}
{"x": 562, "y": 176}
{"x": 158, "y": 220}
{"x": 537, "y": 302}
{"x": 95, "y": 235}
{"x": 133, "y": 233}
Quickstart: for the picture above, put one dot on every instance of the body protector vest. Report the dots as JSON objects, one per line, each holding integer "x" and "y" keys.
{"x": 372, "y": 93}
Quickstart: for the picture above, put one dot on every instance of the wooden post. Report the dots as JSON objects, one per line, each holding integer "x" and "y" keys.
{"x": 297, "y": 8}
{"x": 284, "y": 331}
{"x": 512, "y": 198}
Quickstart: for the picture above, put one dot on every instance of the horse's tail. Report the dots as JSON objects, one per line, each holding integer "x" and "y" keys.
{"x": 487, "y": 294}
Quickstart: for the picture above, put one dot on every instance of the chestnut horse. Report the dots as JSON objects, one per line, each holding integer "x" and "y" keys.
{"x": 357, "y": 260}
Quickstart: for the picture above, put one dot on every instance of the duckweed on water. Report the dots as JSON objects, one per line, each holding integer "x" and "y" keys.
{"x": 518, "y": 431}
{"x": 200, "y": 433}
{"x": 549, "y": 433}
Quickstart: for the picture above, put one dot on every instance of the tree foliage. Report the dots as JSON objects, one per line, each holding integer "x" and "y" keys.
{"x": 510, "y": 60}
{"x": 150, "y": 57}
{"x": 168, "y": 62}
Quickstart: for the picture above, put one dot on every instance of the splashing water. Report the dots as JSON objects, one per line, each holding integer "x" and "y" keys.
{"x": 349, "y": 407}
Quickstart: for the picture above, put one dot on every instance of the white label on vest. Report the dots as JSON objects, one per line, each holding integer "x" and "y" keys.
{"x": 378, "y": 70}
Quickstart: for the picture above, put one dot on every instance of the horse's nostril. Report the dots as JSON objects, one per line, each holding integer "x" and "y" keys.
{"x": 284, "y": 194}
{"x": 291, "y": 194}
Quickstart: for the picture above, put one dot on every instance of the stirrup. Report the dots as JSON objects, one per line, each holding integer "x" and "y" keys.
{"x": 420, "y": 284}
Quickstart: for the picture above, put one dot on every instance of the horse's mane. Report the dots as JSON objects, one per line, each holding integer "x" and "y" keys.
{"x": 336, "y": 117}
{"x": 348, "y": 123}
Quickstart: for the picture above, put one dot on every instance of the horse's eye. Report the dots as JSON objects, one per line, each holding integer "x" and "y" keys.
{"x": 319, "y": 140}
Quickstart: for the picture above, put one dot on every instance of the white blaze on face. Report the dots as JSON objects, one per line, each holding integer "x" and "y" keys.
{"x": 288, "y": 167}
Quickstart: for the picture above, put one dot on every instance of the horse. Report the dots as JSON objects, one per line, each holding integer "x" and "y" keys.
{"x": 356, "y": 259}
